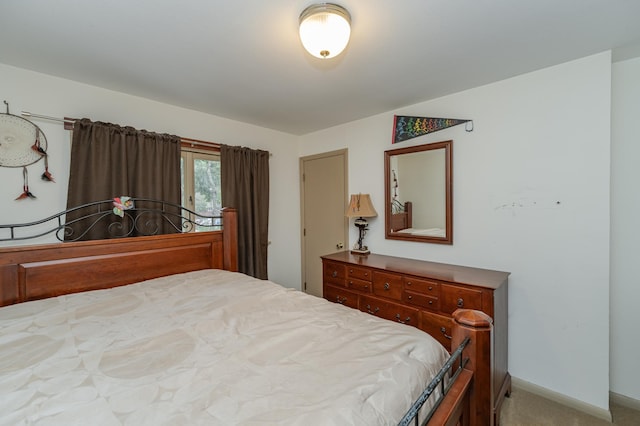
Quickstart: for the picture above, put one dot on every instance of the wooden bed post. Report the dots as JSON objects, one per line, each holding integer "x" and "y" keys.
{"x": 408, "y": 209}
{"x": 230, "y": 239}
{"x": 479, "y": 327}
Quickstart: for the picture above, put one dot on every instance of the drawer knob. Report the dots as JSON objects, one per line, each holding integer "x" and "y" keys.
{"x": 341, "y": 300}
{"x": 430, "y": 288}
{"x": 431, "y": 302}
{"x": 366, "y": 286}
{"x": 406, "y": 320}
{"x": 334, "y": 274}
{"x": 372, "y": 312}
{"x": 460, "y": 302}
{"x": 410, "y": 297}
{"x": 386, "y": 286}
{"x": 444, "y": 332}
{"x": 408, "y": 282}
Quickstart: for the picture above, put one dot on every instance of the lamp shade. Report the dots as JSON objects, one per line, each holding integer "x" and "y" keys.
{"x": 360, "y": 206}
{"x": 325, "y": 29}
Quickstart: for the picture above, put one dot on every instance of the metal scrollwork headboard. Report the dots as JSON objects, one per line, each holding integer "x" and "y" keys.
{"x": 122, "y": 216}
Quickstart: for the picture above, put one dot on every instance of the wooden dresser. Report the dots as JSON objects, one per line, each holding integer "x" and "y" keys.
{"x": 422, "y": 294}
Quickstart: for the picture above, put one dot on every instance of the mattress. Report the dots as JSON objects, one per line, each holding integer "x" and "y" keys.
{"x": 208, "y": 347}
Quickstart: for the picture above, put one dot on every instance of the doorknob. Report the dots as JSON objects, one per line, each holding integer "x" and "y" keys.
{"x": 340, "y": 246}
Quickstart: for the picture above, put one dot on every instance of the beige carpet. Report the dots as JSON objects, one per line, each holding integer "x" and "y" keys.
{"x": 526, "y": 409}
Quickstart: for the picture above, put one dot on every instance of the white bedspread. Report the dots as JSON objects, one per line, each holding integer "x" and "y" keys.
{"x": 206, "y": 348}
{"x": 430, "y": 232}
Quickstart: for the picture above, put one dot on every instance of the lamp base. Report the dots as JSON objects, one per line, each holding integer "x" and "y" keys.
{"x": 363, "y": 251}
{"x": 360, "y": 248}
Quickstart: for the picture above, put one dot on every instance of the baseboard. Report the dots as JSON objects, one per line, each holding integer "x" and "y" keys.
{"x": 624, "y": 401}
{"x": 562, "y": 399}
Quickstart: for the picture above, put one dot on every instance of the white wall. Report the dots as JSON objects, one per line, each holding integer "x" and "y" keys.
{"x": 531, "y": 196}
{"x": 51, "y": 96}
{"x": 625, "y": 232}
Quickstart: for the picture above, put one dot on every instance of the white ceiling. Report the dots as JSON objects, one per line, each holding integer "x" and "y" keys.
{"x": 243, "y": 59}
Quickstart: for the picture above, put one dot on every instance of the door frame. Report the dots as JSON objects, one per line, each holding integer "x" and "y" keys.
{"x": 341, "y": 152}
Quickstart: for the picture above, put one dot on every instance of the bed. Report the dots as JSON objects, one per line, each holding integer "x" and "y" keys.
{"x": 401, "y": 216}
{"x": 163, "y": 330}
{"x": 402, "y": 223}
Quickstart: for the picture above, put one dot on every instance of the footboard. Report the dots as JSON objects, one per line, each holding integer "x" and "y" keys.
{"x": 466, "y": 397}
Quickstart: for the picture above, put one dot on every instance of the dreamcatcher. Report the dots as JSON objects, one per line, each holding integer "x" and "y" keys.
{"x": 22, "y": 143}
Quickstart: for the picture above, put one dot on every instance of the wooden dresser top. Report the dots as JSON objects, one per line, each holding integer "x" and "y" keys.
{"x": 422, "y": 268}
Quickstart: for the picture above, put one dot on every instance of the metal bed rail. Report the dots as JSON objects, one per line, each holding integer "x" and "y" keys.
{"x": 413, "y": 414}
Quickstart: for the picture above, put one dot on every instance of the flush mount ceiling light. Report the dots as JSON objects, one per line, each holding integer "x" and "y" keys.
{"x": 325, "y": 29}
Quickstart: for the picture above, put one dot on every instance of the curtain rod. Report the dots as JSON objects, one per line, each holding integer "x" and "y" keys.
{"x": 46, "y": 117}
{"x": 68, "y": 124}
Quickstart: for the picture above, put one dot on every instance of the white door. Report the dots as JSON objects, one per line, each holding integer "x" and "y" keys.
{"x": 325, "y": 229}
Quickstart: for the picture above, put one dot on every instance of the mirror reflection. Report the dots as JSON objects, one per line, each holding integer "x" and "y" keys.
{"x": 418, "y": 193}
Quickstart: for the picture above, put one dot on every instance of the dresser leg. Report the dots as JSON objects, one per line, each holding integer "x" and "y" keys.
{"x": 505, "y": 391}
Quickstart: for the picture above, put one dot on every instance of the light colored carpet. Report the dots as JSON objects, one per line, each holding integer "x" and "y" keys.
{"x": 526, "y": 409}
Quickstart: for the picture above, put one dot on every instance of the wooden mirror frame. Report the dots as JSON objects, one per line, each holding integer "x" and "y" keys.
{"x": 389, "y": 217}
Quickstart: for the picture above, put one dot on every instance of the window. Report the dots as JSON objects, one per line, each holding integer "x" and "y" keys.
{"x": 201, "y": 184}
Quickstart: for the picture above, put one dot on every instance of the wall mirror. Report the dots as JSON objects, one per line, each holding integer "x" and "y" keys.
{"x": 419, "y": 193}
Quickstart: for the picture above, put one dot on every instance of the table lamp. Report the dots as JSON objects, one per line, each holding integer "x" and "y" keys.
{"x": 360, "y": 206}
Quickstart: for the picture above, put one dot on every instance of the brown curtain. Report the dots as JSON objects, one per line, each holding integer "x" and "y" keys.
{"x": 244, "y": 175}
{"x": 109, "y": 161}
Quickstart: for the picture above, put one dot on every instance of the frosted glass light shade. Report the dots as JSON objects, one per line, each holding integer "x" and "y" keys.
{"x": 325, "y": 29}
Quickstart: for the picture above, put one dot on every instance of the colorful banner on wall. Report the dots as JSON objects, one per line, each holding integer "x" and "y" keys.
{"x": 407, "y": 127}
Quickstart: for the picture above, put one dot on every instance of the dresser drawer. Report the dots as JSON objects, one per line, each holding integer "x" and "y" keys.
{"x": 387, "y": 285}
{"x": 453, "y": 297}
{"x": 340, "y": 295}
{"x": 431, "y": 288}
{"x": 359, "y": 285}
{"x": 390, "y": 310}
{"x": 359, "y": 273}
{"x": 437, "y": 326}
{"x": 422, "y": 300}
{"x": 334, "y": 273}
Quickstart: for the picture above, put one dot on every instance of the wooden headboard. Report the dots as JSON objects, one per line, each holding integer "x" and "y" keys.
{"x": 403, "y": 220}
{"x": 40, "y": 271}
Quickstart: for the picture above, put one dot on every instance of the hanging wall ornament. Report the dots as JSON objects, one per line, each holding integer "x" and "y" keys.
{"x": 46, "y": 175}
{"x": 25, "y": 186}
{"x": 22, "y": 143}
{"x": 407, "y": 127}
